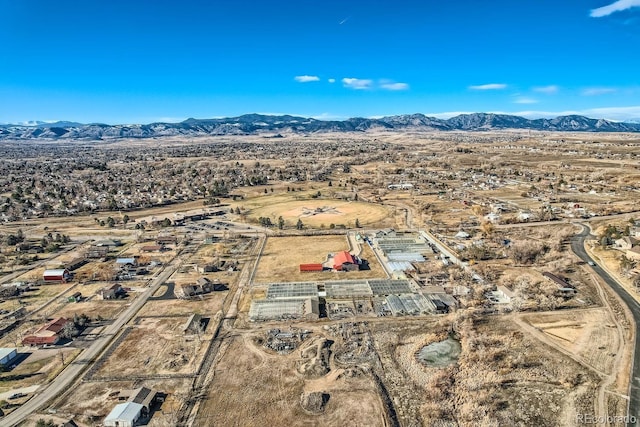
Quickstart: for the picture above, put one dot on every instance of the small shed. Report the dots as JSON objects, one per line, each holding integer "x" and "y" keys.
{"x": 76, "y": 297}
{"x": 124, "y": 415}
{"x": 193, "y": 324}
{"x": 152, "y": 248}
{"x": 126, "y": 261}
{"x": 311, "y": 267}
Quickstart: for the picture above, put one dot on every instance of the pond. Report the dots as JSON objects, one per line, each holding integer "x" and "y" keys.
{"x": 440, "y": 354}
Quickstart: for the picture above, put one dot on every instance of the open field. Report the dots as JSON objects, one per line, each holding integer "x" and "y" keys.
{"x": 319, "y": 213}
{"x": 208, "y": 305}
{"x": 154, "y": 346}
{"x": 588, "y": 334}
{"x": 282, "y": 256}
{"x": 276, "y": 388}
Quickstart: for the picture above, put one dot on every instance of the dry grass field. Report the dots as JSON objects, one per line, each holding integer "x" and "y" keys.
{"x": 209, "y": 305}
{"x": 318, "y": 213}
{"x": 587, "y": 334}
{"x": 154, "y": 346}
{"x": 282, "y": 256}
{"x": 502, "y": 377}
{"x": 252, "y": 386}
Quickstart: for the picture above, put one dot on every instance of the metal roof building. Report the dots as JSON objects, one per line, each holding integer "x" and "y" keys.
{"x": 292, "y": 290}
{"x": 390, "y": 287}
{"x": 400, "y": 266}
{"x": 123, "y": 415}
{"x": 347, "y": 289}
{"x": 410, "y": 304}
{"x": 288, "y": 308}
{"x": 405, "y": 256}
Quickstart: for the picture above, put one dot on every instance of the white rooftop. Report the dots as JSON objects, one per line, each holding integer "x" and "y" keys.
{"x": 4, "y": 352}
{"x": 124, "y": 412}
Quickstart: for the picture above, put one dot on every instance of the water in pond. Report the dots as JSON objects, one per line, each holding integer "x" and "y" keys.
{"x": 442, "y": 353}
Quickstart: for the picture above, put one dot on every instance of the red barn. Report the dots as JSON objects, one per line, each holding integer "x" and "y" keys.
{"x": 60, "y": 275}
{"x": 311, "y": 267}
{"x": 344, "y": 261}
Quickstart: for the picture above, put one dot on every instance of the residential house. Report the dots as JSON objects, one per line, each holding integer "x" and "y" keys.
{"x": 111, "y": 292}
{"x": 344, "y": 261}
{"x": 202, "y": 286}
{"x": 626, "y": 243}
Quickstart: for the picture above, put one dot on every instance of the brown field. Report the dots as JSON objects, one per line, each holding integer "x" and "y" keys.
{"x": 282, "y": 257}
{"x": 209, "y": 305}
{"x": 107, "y": 309}
{"x": 338, "y": 212}
{"x": 275, "y": 389}
{"x": 587, "y": 334}
{"x": 154, "y": 346}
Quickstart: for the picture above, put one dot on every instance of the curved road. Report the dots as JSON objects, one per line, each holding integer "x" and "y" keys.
{"x": 577, "y": 245}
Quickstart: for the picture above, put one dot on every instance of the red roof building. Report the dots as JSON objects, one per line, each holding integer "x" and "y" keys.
{"x": 344, "y": 261}
{"x": 60, "y": 275}
{"x": 311, "y": 267}
{"x": 47, "y": 334}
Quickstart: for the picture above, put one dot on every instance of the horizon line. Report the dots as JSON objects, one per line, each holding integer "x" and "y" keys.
{"x": 632, "y": 112}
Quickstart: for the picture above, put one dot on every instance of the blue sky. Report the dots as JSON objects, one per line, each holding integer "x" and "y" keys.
{"x": 141, "y": 61}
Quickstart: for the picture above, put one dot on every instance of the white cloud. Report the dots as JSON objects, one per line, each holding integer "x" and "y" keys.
{"x": 525, "y": 100}
{"x": 490, "y": 86}
{"x": 306, "y": 79}
{"x": 358, "y": 84}
{"x": 551, "y": 89}
{"x": 594, "y": 91}
{"x": 616, "y": 6}
{"x": 331, "y": 80}
{"x": 393, "y": 85}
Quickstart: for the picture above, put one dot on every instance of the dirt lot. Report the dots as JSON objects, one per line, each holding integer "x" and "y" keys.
{"x": 209, "y": 305}
{"x": 282, "y": 257}
{"x": 276, "y": 387}
{"x": 154, "y": 346}
{"x": 588, "y": 334}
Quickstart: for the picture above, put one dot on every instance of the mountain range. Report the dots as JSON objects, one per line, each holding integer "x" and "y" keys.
{"x": 259, "y": 123}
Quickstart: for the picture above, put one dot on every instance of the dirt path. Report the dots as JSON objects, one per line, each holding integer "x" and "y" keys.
{"x": 609, "y": 378}
{"x": 601, "y": 409}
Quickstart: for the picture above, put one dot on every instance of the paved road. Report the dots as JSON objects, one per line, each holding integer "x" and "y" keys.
{"x": 86, "y": 358}
{"x": 577, "y": 245}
